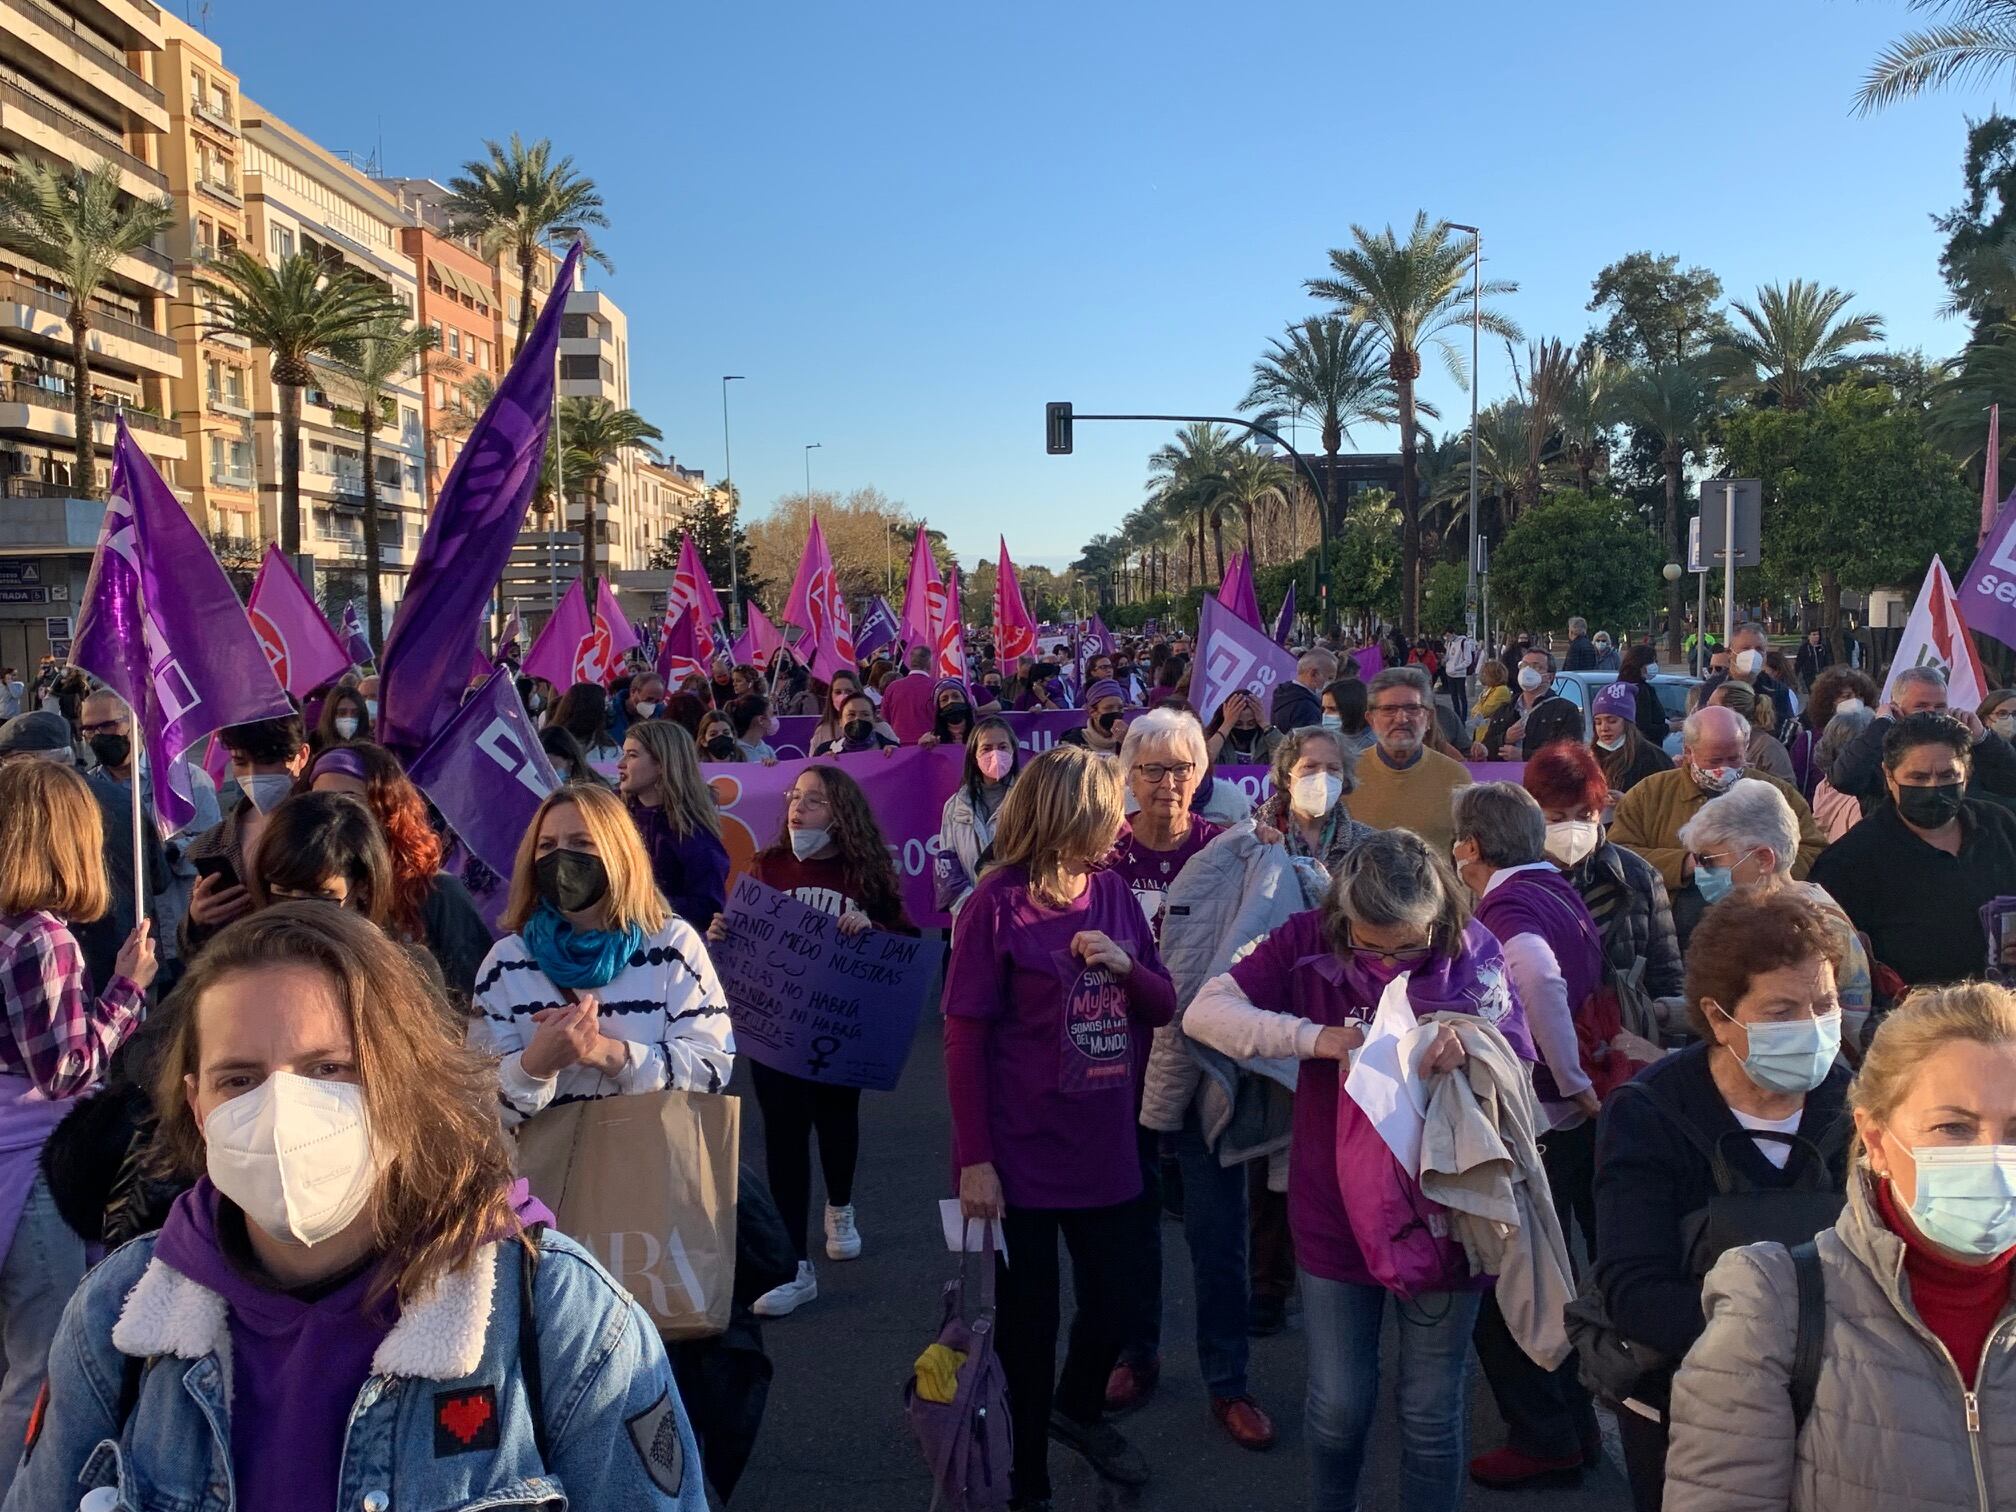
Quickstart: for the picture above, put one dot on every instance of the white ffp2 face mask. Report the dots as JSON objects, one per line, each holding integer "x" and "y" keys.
{"x": 295, "y": 1155}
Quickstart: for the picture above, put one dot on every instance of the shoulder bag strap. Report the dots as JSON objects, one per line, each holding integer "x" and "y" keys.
{"x": 528, "y": 1342}
{"x": 1811, "y": 1334}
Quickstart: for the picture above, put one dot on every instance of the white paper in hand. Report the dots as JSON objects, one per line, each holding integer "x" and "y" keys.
{"x": 1383, "y": 1079}
{"x": 964, "y": 1233}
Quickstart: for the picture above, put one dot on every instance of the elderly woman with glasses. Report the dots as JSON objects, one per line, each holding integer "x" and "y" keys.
{"x": 1743, "y": 845}
{"x": 1162, "y": 760}
{"x": 1306, "y": 993}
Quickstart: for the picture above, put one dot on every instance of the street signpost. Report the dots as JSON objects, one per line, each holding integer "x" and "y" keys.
{"x": 1731, "y": 523}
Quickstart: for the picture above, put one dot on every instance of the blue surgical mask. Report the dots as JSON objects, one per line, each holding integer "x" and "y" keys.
{"x": 1333, "y": 721}
{"x": 1713, "y": 882}
{"x": 1794, "y": 1056}
{"x": 1966, "y": 1200}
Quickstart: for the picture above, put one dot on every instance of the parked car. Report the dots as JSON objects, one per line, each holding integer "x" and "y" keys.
{"x": 1581, "y": 688}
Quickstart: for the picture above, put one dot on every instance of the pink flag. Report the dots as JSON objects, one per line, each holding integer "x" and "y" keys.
{"x": 1237, "y": 593}
{"x": 572, "y": 650}
{"x": 952, "y": 634}
{"x": 1014, "y": 630}
{"x": 923, "y": 597}
{"x": 797, "y": 608}
{"x": 300, "y": 646}
{"x": 817, "y": 608}
{"x": 692, "y": 590}
{"x": 760, "y": 639}
{"x": 1991, "y": 473}
{"x": 622, "y": 634}
{"x": 679, "y": 653}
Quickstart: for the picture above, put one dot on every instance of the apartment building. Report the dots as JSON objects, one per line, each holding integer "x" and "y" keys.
{"x": 595, "y": 363}
{"x": 81, "y": 82}
{"x": 667, "y": 494}
{"x": 300, "y": 197}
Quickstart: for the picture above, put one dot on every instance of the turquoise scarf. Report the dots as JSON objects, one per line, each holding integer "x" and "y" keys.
{"x": 573, "y": 957}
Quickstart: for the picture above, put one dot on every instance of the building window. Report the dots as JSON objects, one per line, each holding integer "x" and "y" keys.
{"x": 283, "y": 242}
{"x": 454, "y": 343}
{"x": 574, "y": 326}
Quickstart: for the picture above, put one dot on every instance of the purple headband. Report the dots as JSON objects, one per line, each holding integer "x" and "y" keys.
{"x": 343, "y": 762}
{"x": 1104, "y": 688}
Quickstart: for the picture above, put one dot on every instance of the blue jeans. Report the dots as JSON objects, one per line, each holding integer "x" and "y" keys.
{"x": 44, "y": 1265}
{"x": 1214, "y": 1230}
{"x": 1342, "y": 1324}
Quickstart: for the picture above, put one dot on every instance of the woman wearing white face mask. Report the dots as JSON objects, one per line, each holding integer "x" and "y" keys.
{"x": 1914, "y": 1373}
{"x": 1312, "y": 778}
{"x": 345, "y": 717}
{"x": 1626, "y": 756}
{"x": 341, "y": 1303}
{"x": 831, "y": 856}
{"x": 1998, "y": 712}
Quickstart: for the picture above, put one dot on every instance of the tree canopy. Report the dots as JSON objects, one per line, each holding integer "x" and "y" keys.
{"x": 1573, "y": 554}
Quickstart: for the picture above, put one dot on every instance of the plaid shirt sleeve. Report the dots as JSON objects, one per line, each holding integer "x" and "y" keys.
{"x": 61, "y": 1039}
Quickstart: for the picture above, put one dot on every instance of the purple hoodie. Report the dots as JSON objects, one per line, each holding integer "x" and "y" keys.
{"x": 296, "y": 1365}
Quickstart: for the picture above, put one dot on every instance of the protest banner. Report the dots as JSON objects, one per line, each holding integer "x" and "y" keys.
{"x": 832, "y": 1008}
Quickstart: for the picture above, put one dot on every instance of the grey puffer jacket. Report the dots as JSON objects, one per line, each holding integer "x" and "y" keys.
{"x": 1892, "y": 1428}
{"x": 1228, "y": 897}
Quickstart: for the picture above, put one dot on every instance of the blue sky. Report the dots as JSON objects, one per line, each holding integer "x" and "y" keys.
{"x": 911, "y": 224}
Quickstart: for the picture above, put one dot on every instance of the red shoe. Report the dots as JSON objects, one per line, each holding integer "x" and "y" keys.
{"x": 1249, "y": 1426}
{"x": 1131, "y": 1384}
{"x": 1508, "y": 1469}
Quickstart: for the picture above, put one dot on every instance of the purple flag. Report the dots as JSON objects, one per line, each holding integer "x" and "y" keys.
{"x": 468, "y": 542}
{"x": 1237, "y": 594}
{"x": 301, "y": 648}
{"x": 1284, "y": 622}
{"x": 355, "y": 642}
{"x": 1988, "y": 592}
{"x": 1233, "y": 655}
{"x": 878, "y": 629}
{"x": 162, "y": 628}
{"x": 487, "y": 772}
{"x": 1098, "y": 639}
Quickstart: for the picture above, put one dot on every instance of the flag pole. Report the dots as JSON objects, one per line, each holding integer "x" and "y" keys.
{"x": 139, "y": 849}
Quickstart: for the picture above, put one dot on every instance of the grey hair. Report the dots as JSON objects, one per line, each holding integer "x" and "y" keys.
{"x": 1395, "y": 878}
{"x": 121, "y": 708}
{"x": 1297, "y": 741}
{"x": 1690, "y": 728}
{"x": 1401, "y": 677}
{"x": 1177, "y": 727}
{"x": 1503, "y": 818}
{"x": 1578, "y": 626}
{"x": 1930, "y": 676}
{"x": 1838, "y": 736}
{"x": 920, "y": 658}
{"x": 1316, "y": 659}
{"x": 1750, "y": 814}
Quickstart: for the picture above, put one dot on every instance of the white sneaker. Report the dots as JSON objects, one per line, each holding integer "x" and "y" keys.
{"x": 843, "y": 1239}
{"x": 782, "y": 1301}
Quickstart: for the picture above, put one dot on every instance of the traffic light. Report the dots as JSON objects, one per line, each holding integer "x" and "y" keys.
{"x": 1057, "y": 428}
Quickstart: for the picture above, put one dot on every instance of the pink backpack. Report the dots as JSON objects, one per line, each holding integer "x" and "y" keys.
{"x": 967, "y": 1442}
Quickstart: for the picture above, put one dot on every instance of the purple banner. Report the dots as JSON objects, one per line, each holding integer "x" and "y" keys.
{"x": 1232, "y": 656}
{"x": 1988, "y": 592}
{"x": 487, "y": 772}
{"x": 1035, "y": 732}
{"x": 807, "y": 999}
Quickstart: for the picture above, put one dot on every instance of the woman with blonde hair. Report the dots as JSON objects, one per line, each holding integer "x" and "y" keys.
{"x": 55, "y": 1044}
{"x": 1913, "y": 1372}
{"x": 592, "y": 934}
{"x": 675, "y": 814}
{"x": 344, "y": 1299}
{"x": 1054, "y": 985}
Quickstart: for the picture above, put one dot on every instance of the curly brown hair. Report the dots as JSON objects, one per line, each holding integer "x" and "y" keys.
{"x": 402, "y": 814}
{"x": 1740, "y": 939}
{"x": 864, "y": 854}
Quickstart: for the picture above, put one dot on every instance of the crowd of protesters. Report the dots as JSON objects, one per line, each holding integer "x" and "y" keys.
{"x": 1700, "y": 1011}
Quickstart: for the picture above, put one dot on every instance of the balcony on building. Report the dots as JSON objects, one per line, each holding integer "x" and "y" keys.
{"x": 38, "y": 406}
{"x": 114, "y": 340}
{"x": 95, "y": 63}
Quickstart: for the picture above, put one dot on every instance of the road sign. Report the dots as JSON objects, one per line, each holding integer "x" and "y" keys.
{"x": 1749, "y": 501}
{"x": 1694, "y": 544}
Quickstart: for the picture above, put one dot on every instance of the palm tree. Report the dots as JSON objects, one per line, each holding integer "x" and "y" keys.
{"x": 1588, "y": 410}
{"x": 516, "y": 200}
{"x": 296, "y": 308}
{"x": 1789, "y": 336}
{"x": 596, "y": 433}
{"x": 1675, "y": 402}
{"x": 74, "y": 223}
{"x": 1253, "y": 479}
{"x": 1412, "y": 294}
{"x": 363, "y": 369}
{"x": 1185, "y": 475}
{"x": 1550, "y": 373}
{"x": 1980, "y": 40}
{"x": 1326, "y": 370}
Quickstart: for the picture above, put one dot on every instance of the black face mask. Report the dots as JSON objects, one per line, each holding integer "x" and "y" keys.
{"x": 993, "y": 690}
{"x": 956, "y": 714}
{"x": 1106, "y": 721}
{"x": 721, "y": 747}
{"x": 1928, "y": 808}
{"x": 111, "y": 750}
{"x": 858, "y": 730}
{"x": 571, "y": 880}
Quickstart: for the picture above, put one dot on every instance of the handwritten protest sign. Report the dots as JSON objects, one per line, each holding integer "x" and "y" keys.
{"x": 811, "y": 1001}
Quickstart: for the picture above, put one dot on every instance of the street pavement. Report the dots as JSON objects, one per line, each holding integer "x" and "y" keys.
{"x": 835, "y": 1438}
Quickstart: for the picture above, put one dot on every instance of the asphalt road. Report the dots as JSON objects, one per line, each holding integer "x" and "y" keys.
{"x": 835, "y": 1438}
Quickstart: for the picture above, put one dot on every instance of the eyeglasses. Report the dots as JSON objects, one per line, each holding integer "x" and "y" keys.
{"x": 1413, "y": 955}
{"x": 1156, "y": 771}
{"x": 109, "y": 727}
{"x": 1398, "y": 711}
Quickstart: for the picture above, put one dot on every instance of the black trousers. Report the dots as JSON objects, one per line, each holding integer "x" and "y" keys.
{"x": 1547, "y": 1413}
{"x": 1644, "y": 1458}
{"x": 1104, "y": 1247}
{"x": 792, "y": 1109}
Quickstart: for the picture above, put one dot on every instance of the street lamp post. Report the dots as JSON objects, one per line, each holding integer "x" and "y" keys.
{"x": 728, "y": 482}
{"x": 810, "y": 447}
{"x": 1476, "y": 332}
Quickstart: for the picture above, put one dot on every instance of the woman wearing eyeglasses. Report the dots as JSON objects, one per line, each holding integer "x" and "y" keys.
{"x": 1161, "y": 760}
{"x": 1306, "y": 992}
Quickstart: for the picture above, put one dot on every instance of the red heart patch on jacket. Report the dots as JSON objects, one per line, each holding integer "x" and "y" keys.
{"x": 465, "y": 1421}
{"x": 465, "y": 1416}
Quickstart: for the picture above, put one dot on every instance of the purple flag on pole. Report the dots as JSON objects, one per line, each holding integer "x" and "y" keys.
{"x": 1237, "y": 593}
{"x": 469, "y": 540}
{"x": 356, "y": 644}
{"x": 487, "y": 772}
{"x": 1098, "y": 639}
{"x": 162, "y": 628}
{"x": 567, "y": 650}
{"x": 1284, "y": 622}
{"x": 1233, "y": 655}
{"x": 691, "y": 590}
{"x": 680, "y": 654}
{"x": 299, "y": 645}
{"x": 1988, "y": 592}
{"x": 878, "y": 629}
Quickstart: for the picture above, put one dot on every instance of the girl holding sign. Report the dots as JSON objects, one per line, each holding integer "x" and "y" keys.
{"x": 1053, "y": 986}
{"x": 830, "y": 856}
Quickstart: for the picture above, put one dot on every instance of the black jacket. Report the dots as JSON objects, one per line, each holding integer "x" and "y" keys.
{"x": 1581, "y": 655}
{"x": 457, "y": 937}
{"x": 1295, "y": 707}
{"x": 1627, "y": 898}
{"x": 1646, "y": 759}
{"x": 101, "y": 938}
{"x": 1651, "y": 715}
{"x": 1550, "y": 726}
{"x": 1811, "y": 662}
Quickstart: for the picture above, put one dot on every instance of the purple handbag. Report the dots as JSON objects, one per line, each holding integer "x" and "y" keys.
{"x": 1403, "y": 1236}
{"x": 967, "y": 1442}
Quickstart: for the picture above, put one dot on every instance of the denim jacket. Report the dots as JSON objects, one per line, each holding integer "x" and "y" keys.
{"x": 618, "y": 1432}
